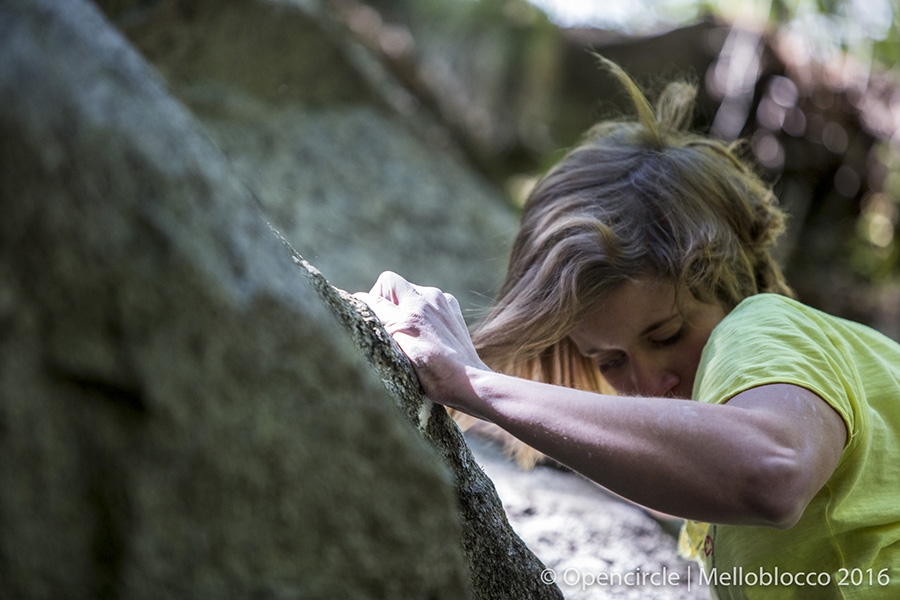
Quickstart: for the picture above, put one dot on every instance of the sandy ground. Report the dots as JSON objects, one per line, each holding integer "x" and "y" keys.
{"x": 594, "y": 543}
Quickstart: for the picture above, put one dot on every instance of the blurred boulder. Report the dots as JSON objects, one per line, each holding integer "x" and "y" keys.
{"x": 355, "y": 177}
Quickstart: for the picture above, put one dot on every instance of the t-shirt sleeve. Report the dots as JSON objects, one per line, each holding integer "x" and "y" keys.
{"x": 771, "y": 339}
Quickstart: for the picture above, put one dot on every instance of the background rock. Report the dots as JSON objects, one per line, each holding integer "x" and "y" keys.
{"x": 308, "y": 122}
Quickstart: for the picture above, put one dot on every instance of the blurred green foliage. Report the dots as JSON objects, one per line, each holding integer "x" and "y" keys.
{"x": 865, "y": 28}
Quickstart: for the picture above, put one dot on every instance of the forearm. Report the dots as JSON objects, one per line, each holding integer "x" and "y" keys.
{"x": 680, "y": 457}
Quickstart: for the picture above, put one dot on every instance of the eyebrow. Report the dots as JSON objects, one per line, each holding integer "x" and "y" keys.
{"x": 658, "y": 324}
{"x": 647, "y": 330}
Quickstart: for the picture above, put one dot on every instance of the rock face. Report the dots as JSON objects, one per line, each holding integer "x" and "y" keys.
{"x": 180, "y": 414}
{"x": 499, "y": 563}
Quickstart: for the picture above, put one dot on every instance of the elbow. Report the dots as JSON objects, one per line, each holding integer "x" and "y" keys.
{"x": 781, "y": 513}
{"x": 776, "y": 493}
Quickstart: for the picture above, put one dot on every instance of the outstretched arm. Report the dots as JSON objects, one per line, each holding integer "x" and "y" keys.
{"x": 757, "y": 460}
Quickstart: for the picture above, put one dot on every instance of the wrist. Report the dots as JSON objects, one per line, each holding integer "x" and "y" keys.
{"x": 481, "y": 392}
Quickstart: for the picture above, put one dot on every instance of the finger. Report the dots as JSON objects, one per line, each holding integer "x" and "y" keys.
{"x": 394, "y": 288}
{"x": 376, "y": 288}
{"x": 452, "y": 301}
{"x": 386, "y": 311}
{"x": 367, "y": 299}
{"x": 457, "y": 311}
{"x": 384, "y": 286}
{"x": 446, "y": 303}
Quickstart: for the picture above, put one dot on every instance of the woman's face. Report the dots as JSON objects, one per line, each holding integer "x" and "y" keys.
{"x": 647, "y": 342}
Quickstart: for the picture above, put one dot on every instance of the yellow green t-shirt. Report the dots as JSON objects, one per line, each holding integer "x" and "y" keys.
{"x": 847, "y": 543}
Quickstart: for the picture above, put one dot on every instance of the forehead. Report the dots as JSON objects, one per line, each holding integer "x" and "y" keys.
{"x": 626, "y": 313}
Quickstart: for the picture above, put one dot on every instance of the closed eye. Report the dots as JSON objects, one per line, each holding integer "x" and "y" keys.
{"x": 672, "y": 339}
{"x": 608, "y": 365}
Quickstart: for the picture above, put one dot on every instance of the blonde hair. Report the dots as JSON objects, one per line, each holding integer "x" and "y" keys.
{"x": 637, "y": 199}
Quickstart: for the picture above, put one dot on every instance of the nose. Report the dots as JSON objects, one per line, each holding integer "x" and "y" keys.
{"x": 654, "y": 379}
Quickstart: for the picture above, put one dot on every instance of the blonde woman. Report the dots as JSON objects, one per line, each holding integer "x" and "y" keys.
{"x": 643, "y": 261}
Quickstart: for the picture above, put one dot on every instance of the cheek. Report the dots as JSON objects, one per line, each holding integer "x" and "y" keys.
{"x": 689, "y": 357}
